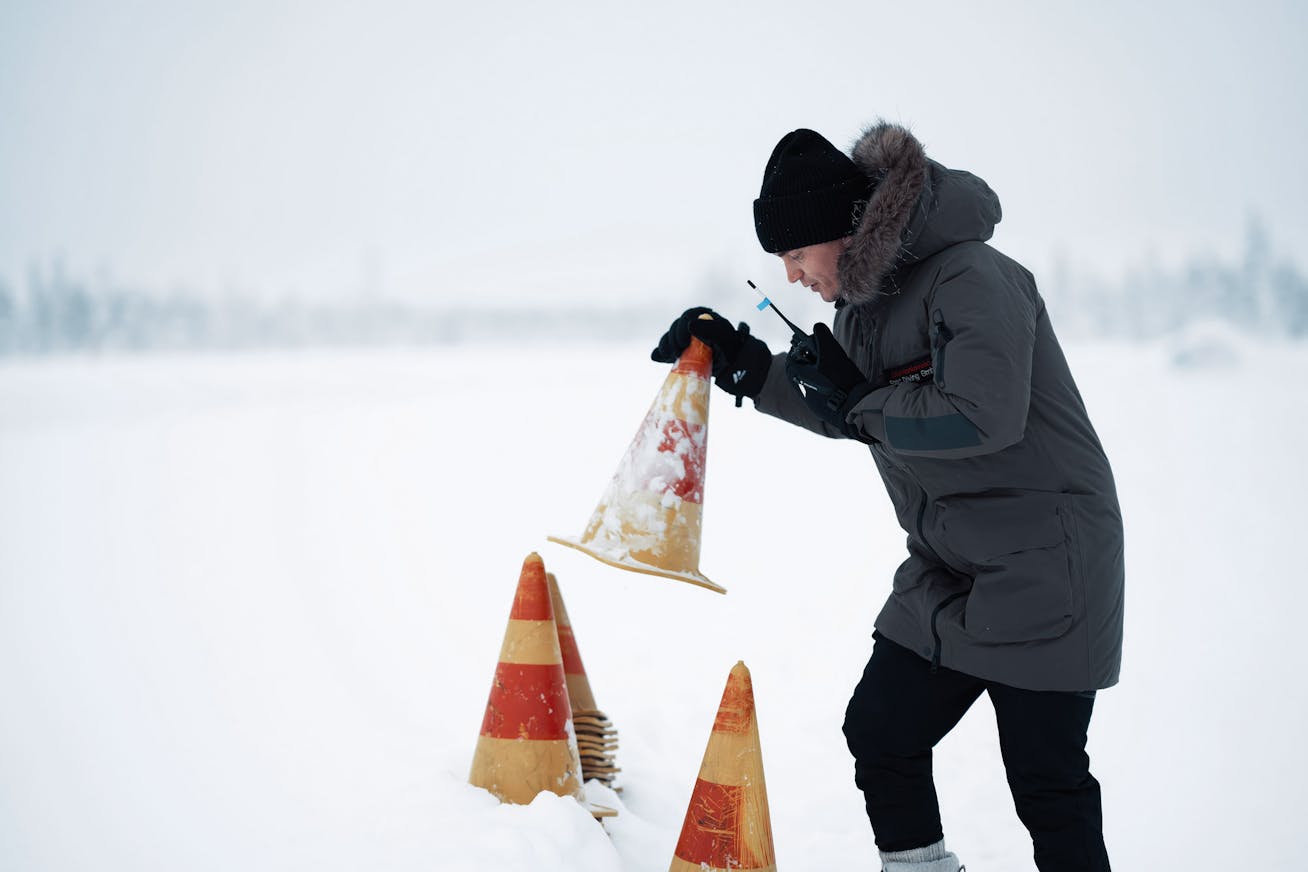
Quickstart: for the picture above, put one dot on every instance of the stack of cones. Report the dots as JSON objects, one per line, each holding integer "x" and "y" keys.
{"x": 527, "y": 743}
{"x": 597, "y": 740}
{"x": 727, "y": 825}
{"x": 649, "y": 517}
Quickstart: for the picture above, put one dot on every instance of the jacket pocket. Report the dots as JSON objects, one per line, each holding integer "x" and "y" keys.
{"x": 1019, "y": 552}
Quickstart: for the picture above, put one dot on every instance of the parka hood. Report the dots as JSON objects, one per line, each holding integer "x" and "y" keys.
{"x": 917, "y": 209}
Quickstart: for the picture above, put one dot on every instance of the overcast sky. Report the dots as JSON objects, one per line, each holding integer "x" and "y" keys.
{"x": 566, "y": 150}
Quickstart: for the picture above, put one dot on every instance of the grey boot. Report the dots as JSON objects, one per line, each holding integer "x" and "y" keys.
{"x": 932, "y": 858}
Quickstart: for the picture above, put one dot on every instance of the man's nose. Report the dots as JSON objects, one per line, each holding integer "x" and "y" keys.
{"x": 793, "y": 273}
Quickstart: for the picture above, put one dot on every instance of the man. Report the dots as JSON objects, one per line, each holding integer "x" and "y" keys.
{"x": 944, "y": 363}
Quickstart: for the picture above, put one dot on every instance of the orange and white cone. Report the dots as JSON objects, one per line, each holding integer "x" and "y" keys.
{"x": 650, "y": 516}
{"x": 727, "y": 825}
{"x": 597, "y": 740}
{"x": 527, "y": 742}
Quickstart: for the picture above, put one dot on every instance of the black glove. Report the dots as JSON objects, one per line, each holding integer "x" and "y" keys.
{"x": 740, "y": 361}
{"x": 830, "y": 382}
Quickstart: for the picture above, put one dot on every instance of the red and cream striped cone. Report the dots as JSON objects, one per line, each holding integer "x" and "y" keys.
{"x": 727, "y": 825}
{"x": 527, "y": 742}
{"x": 649, "y": 517}
{"x": 597, "y": 740}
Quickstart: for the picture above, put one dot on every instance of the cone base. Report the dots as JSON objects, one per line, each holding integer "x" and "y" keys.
{"x": 635, "y": 566}
{"x": 680, "y": 865}
{"x": 600, "y": 811}
{"x": 516, "y": 770}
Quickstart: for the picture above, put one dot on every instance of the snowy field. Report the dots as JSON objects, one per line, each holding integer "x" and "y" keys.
{"x": 250, "y": 607}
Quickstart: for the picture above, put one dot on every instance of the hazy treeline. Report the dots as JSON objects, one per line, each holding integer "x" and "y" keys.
{"x": 60, "y": 313}
{"x": 57, "y": 312}
{"x": 1262, "y": 293}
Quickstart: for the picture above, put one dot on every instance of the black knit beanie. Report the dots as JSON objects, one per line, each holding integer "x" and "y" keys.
{"x": 810, "y": 193}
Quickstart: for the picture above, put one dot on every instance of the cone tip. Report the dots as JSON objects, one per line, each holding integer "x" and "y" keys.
{"x": 532, "y": 600}
{"x": 696, "y": 360}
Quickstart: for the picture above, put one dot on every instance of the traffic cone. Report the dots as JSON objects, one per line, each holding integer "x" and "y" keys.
{"x": 527, "y": 743}
{"x": 597, "y": 740}
{"x": 649, "y": 517}
{"x": 727, "y": 825}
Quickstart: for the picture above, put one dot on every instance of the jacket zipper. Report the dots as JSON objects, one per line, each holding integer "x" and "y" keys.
{"x": 921, "y": 513}
{"x": 935, "y": 632}
{"x": 878, "y": 378}
{"x": 940, "y": 337}
{"x": 921, "y": 535}
{"x": 878, "y": 371}
{"x": 921, "y": 509}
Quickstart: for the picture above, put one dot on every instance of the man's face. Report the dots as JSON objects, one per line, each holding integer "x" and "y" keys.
{"x": 815, "y": 267}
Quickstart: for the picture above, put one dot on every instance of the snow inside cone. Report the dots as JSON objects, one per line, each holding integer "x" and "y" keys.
{"x": 649, "y": 517}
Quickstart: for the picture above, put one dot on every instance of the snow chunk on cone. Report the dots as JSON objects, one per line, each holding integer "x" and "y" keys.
{"x": 650, "y": 516}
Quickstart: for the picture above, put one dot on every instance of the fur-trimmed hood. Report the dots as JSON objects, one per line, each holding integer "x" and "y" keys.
{"x": 917, "y": 208}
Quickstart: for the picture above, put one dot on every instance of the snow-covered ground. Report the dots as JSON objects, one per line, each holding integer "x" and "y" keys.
{"x": 250, "y": 607}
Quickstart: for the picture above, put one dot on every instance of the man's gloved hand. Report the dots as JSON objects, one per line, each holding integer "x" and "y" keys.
{"x": 830, "y": 382}
{"x": 740, "y": 361}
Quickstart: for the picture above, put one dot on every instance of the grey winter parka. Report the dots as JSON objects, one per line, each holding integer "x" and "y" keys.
{"x": 1015, "y": 555}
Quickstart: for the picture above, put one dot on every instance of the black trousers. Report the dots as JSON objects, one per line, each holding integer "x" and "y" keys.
{"x": 901, "y": 709}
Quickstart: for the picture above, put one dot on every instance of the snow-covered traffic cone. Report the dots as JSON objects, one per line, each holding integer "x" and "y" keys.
{"x": 527, "y": 743}
{"x": 597, "y": 740}
{"x": 649, "y": 517}
{"x": 727, "y": 824}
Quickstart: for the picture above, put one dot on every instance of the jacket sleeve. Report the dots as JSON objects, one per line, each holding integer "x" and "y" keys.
{"x": 781, "y": 399}
{"x": 982, "y": 332}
